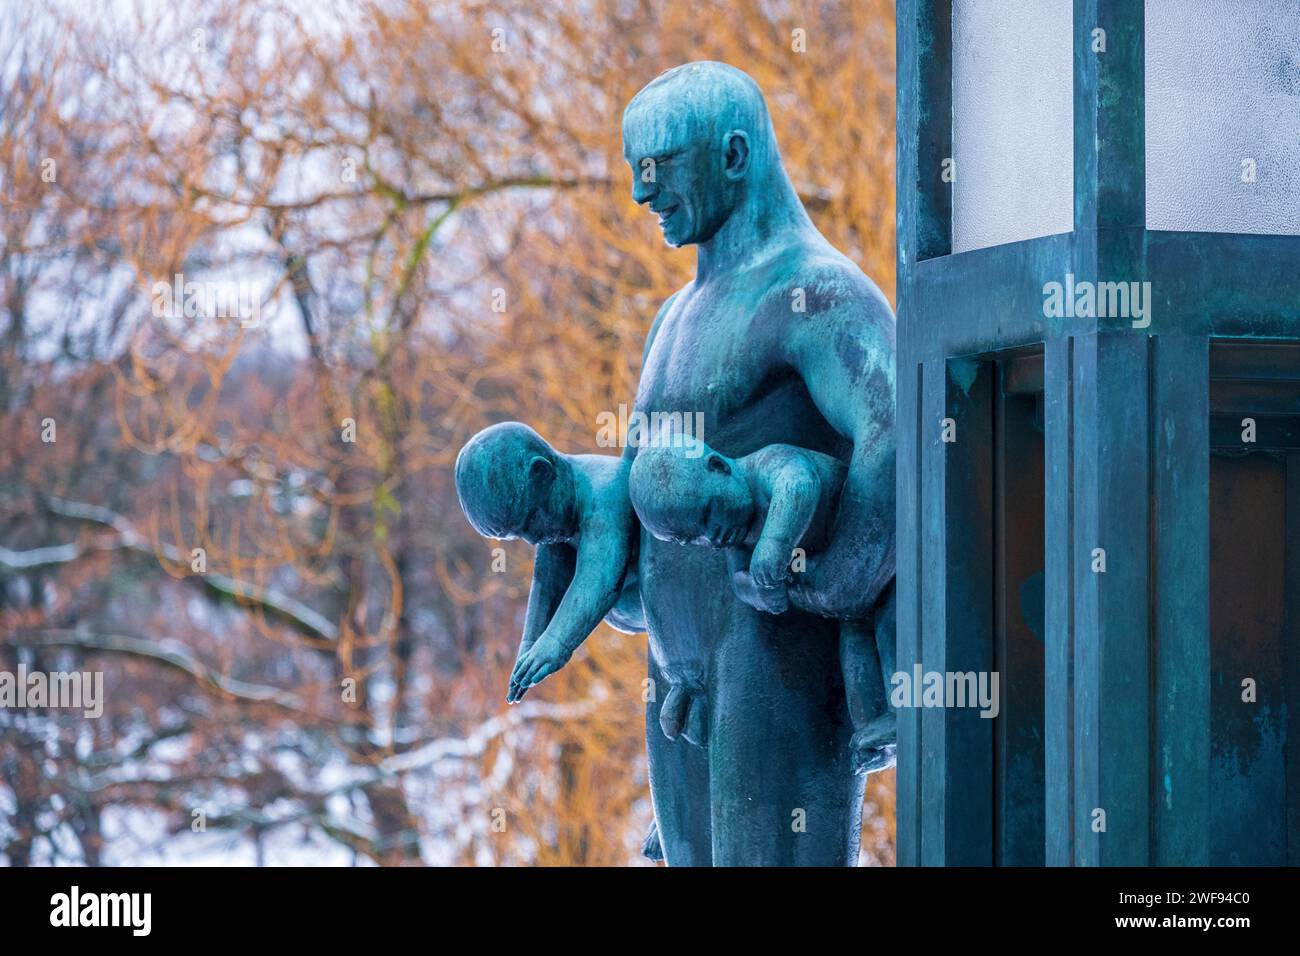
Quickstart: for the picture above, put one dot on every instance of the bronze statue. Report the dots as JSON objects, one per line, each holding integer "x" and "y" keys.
{"x": 574, "y": 509}
{"x": 778, "y": 340}
{"x": 768, "y": 510}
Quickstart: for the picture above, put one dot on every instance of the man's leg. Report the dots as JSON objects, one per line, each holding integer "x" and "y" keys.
{"x": 679, "y": 786}
{"x": 783, "y": 792}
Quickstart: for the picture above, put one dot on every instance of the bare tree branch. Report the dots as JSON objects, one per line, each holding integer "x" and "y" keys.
{"x": 170, "y": 653}
{"x": 274, "y": 602}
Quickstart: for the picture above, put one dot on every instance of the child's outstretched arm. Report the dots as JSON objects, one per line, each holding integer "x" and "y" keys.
{"x": 603, "y": 553}
{"x": 553, "y": 567}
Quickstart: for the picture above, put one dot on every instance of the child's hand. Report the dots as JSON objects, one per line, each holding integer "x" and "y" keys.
{"x": 541, "y": 660}
{"x": 770, "y": 565}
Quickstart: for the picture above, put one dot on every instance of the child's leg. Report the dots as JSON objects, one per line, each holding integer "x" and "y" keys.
{"x": 872, "y": 745}
{"x": 860, "y": 664}
{"x": 867, "y": 656}
{"x": 651, "y": 848}
{"x": 887, "y": 637}
{"x": 883, "y": 731}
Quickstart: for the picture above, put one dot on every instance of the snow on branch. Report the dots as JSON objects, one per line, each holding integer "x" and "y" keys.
{"x": 274, "y": 602}
{"x": 169, "y": 653}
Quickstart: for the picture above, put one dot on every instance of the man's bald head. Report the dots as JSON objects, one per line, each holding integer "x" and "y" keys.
{"x": 693, "y": 102}
{"x": 699, "y": 140}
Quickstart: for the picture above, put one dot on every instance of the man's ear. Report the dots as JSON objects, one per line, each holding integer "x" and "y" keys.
{"x": 540, "y": 473}
{"x": 735, "y": 153}
{"x": 717, "y": 463}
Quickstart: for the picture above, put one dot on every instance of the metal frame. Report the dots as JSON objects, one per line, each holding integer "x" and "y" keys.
{"x": 1127, "y": 433}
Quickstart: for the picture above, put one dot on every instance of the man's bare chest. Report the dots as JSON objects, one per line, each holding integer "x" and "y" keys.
{"x": 711, "y": 357}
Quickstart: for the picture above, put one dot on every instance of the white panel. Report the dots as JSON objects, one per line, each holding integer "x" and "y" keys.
{"x": 1012, "y": 120}
{"x": 1223, "y": 88}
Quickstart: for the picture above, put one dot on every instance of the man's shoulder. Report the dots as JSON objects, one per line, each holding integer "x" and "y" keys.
{"x": 813, "y": 278}
{"x": 826, "y": 309}
{"x": 664, "y": 311}
{"x": 679, "y": 295}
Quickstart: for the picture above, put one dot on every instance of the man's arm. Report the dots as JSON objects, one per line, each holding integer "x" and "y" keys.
{"x": 630, "y": 450}
{"x": 846, "y": 358}
{"x": 628, "y": 613}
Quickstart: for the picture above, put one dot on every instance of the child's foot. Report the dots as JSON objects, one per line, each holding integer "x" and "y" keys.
{"x": 651, "y": 848}
{"x": 872, "y": 759}
{"x": 874, "y": 747}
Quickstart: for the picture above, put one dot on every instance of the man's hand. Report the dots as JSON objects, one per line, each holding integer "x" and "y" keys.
{"x": 819, "y": 591}
{"x": 769, "y": 600}
{"x": 774, "y": 600}
{"x": 808, "y": 591}
{"x": 541, "y": 660}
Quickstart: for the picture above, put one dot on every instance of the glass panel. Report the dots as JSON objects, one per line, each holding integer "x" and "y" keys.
{"x": 1254, "y": 604}
{"x": 1012, "y": 120}
{"x": 1223, "y": 115}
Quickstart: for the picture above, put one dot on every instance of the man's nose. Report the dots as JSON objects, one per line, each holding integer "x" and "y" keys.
{"x": 642, "y": 191}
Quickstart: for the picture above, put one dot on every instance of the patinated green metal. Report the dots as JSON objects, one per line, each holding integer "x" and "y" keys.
{"x": 778, "y": 339}
{"x": 1137, "y": 712}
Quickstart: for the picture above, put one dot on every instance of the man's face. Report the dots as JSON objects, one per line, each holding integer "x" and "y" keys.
{"x": 681, "y": 181}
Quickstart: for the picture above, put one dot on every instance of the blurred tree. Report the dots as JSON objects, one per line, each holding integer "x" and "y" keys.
{"x": 422, "y": 218}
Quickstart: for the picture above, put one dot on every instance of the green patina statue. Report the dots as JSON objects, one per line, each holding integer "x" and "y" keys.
{"x": 769, "y": 509}
{"x": 779, "y": 340}
{"x": 575, "y": 510}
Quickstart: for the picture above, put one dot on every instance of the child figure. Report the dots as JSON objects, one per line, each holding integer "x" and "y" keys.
{"x": 574, "y": 510}
{"x": 761, "y": 508}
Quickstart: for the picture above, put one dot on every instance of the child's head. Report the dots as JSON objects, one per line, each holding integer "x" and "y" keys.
{"x": 690, "y": 494}
{"x": 512, "y": 484}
